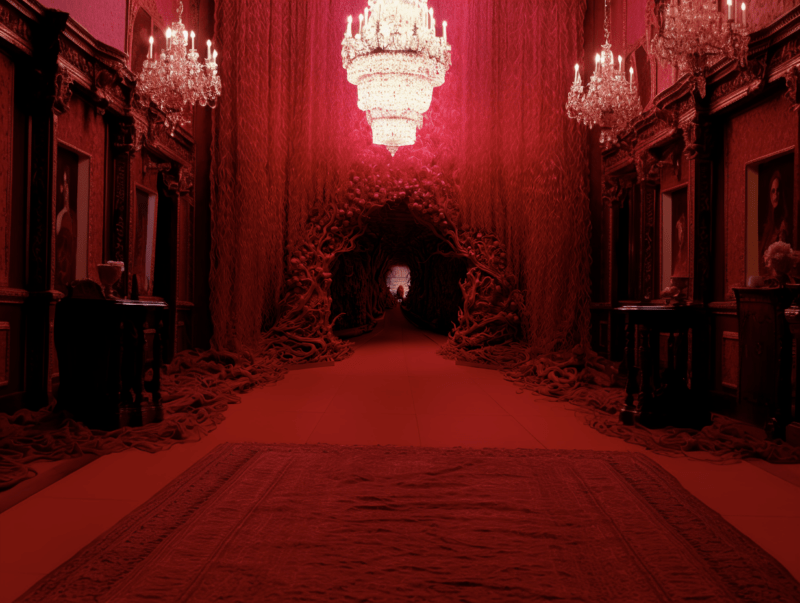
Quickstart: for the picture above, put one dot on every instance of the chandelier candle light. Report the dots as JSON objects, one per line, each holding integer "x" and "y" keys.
{"x": 177, "y": 81}
{"x": 694, "y": 35}
{"x": 610, "y": 101}
{"x": 396, "y": 60}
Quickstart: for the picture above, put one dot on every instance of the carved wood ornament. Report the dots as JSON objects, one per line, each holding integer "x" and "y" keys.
{"x": 791, "y": 87}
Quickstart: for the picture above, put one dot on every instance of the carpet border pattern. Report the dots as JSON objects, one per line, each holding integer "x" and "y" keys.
{"x": 746, "y": 569}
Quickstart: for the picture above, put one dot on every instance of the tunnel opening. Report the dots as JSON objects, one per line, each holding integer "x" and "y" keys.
{"x": 396, "y": 250}
{"x": 398, "y": 280}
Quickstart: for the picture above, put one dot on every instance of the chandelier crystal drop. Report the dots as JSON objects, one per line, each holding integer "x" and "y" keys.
{"x": 694, "y": 35}
{"x": 177, "y": 80}
{"x": 610, "y": 100}
{"x": 396, "y": 60}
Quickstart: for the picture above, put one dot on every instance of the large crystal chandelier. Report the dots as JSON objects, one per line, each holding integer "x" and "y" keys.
{"x": 396, "y": 60}
{"x": 610, "y": 101}
{"x": 177, "y": 80}
{"x": 693, "y": 35}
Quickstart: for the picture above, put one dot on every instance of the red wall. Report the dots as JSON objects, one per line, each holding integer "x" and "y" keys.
{"x": 104, "y": 19}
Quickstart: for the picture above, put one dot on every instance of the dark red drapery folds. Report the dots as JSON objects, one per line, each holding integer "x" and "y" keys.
{"x": 287, "y": 128}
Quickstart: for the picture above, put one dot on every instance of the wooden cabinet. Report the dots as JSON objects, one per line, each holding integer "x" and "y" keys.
{"x": 765, "y": 357}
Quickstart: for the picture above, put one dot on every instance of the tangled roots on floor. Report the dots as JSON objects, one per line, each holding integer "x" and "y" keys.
{"x": 727, "y": 440}
{"x": 555, "y": 374}
{"x": 591, "y": 383}
{"x": 196, "y": 389}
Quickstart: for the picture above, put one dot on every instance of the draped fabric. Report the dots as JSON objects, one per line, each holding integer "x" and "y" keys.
{"x": 287, "y": 130}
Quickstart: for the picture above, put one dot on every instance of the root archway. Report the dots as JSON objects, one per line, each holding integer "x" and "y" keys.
{"x": 304, "y": 329}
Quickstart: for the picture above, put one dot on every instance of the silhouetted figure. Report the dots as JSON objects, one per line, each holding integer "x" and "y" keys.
{"x": 400, "y": 292}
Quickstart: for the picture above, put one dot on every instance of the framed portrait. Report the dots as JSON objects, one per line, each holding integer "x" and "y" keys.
{"x": 143, "y": 238}
{"x": 770, "y": 194}
{"x": 72, "y": 216}
{"x": 642, "y": 73}
{"x": 674, "y": 241}
{"x": 144, "y": 21}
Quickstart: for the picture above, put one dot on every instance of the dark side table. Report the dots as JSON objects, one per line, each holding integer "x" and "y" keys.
{"x": 765, "y": 357}
{"x": 104, "y": 355}
{"x": 676, "y": 397}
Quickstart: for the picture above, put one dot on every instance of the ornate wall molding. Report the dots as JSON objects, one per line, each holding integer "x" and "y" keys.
{"x": 186, "y": 177}
{"x": 613, "y": 192}
{"x": 791, "y": 77}
{"x": 647, "y": 168}
{"x": 697, "y": 137}
{"x": 62, "y": 92}
{"x": 16, "y": 28}
{"x": 648, "y": 177}
{"x": 774, "y": 51}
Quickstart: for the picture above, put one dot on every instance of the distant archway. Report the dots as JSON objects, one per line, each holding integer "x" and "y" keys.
{"x": 399, "y": 275}
{"x": 490, "y": 312}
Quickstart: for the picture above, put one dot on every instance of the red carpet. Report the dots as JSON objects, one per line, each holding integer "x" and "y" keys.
{"x": 253, "y": 522}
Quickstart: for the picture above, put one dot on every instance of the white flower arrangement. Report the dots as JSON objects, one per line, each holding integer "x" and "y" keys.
{"x": 781, "y": 257}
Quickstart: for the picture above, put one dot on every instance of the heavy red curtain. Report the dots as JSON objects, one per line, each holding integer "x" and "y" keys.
{"x": 287, "y": 129}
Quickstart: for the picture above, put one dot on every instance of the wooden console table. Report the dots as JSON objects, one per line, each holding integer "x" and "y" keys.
{"x": 103, "y": 358}
{"x": 668, "y": 399}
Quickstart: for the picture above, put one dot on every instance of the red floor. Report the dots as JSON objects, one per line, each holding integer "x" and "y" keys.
{"x": 396, "y": 390}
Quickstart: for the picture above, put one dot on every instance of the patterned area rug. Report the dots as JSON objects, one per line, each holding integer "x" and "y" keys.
{"x": 253, "y": 522}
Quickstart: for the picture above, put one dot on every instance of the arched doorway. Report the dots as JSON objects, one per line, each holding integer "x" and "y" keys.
{"x": 398, "y": 280}
{"x": 395, "y": 213}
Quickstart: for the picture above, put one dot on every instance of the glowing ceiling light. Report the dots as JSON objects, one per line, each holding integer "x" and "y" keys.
{"x": 177, "y": 80}
{"x": 610, "y": 101}
{"x": 396, "y": 60}
{"x": 694, "y": 34}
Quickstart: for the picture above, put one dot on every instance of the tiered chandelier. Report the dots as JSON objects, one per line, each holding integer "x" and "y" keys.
{"x": 396, "y": 60}
{"x": 177, "y": 80}
{"x": 693, "y": 35}
{"x": 610, "y": 101}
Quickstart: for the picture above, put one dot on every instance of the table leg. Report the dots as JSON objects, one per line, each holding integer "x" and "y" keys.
{"x": 671, "y": 353}
{"x": 127, "y": 398}
{"x": 628, "y": 414}
{"x": 682, "y": 357}
{"x": 776, "y": 426}
{"x": 655, "y": 358}
{"x": 645, "y": 353}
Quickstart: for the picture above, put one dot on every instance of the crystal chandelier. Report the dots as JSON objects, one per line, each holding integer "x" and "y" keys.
{"x": 177, "y": 80}
{"x": 610, "y": 101}
{"x": 396, "y": 60}
{"x": 693, "y": 35}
